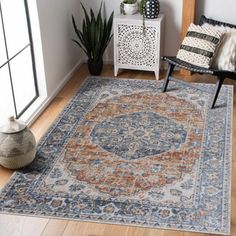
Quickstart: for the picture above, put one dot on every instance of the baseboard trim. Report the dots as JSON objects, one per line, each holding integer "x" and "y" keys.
{"x": 108, "y": 62}
{"x": 105, "y": 62}
{"x": 163, "y": 65}
{"x": 67, "y": 78}
{"x": 44, "y": 102}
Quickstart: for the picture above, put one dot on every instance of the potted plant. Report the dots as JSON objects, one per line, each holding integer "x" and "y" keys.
{"x": 129, "y": 7}
{"x": 142, "y": 5}
{"x": 94, "y": 37}
{"x": 149, "y": 9}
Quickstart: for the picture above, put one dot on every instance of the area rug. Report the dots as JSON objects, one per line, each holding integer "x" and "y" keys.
{"x": 123, "y": 152}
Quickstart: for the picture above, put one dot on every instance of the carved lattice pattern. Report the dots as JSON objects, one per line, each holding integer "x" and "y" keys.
{"x": 137, "y": 48}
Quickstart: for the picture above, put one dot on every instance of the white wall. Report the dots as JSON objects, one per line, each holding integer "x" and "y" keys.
{"x": 217, "y": 9}
{"x": 59, "y": 52}
{"x": 61, "y": 55}
{"x": 173, "y": 23}
{"x": 173, "y": 20}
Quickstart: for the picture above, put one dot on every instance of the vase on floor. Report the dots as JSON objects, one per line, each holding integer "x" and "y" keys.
{"x": 151, "y": 9}
{"x": 17, "y": 144}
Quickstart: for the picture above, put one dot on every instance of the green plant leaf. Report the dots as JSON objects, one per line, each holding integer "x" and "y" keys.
{"x": 85, "y": 51}
{"x": 86, "y": 14}
{"x": 95, "y": 35}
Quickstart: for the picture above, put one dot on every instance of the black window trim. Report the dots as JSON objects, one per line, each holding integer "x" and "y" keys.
{"x": 30, "y": 44}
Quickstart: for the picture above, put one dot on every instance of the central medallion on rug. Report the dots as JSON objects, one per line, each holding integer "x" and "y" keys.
{"x": 136, "y": 135}
{"x": 123, "y": 152}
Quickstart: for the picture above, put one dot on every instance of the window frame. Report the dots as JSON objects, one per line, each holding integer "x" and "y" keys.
{"x": 7, "y": 62}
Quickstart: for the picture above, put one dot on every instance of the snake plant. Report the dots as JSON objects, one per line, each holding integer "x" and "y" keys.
{"x": 95, "y": 34}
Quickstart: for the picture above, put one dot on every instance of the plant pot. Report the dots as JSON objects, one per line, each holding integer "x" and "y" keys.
{"x": 152, "y": 9}
{"x": 130, "y": 9}
{"x": 95, "y": 68}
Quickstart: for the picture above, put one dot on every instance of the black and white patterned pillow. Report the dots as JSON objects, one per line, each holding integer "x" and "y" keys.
{"x": 199, "y": 46}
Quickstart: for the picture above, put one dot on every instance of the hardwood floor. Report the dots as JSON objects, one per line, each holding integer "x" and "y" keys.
{"x": 33, "y": 226}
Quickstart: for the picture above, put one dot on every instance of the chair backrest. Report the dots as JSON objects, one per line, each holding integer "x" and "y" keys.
{"x": 204, "y": 19}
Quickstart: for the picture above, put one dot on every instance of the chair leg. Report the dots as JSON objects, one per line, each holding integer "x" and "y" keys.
{"x": 217, "y": 90}
{"x": 168, "y": 74}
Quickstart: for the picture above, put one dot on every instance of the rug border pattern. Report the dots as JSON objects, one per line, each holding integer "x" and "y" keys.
{"x": 227, "y": 174}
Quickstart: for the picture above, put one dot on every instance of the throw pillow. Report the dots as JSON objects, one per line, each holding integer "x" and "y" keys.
{"x": 199, "y": 46}
{"x": 225, "y": 58}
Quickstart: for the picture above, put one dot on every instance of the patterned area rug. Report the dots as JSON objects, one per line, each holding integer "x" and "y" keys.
{"x": 122, "y": 152}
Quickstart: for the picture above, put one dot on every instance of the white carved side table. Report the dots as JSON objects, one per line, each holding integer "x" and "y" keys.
{"x": 135, "y": 48}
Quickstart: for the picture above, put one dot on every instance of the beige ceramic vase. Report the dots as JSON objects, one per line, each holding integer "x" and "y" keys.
{"x": 17, "y": 144}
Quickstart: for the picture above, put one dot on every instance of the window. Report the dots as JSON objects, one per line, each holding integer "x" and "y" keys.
{"x": 18, "y": 83}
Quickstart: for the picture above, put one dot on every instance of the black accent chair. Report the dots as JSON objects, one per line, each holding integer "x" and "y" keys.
{"x": 221, "y": 75}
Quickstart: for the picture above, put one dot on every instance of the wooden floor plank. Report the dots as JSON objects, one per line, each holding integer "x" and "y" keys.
{"x": 84, "y": 229}
{"x": 55, "y": 227}
{"x": 74, "y": 228}
{"x": 115, "y": 230}
{"x": 11, "y": 225}
{"x": 5, "y": 175}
